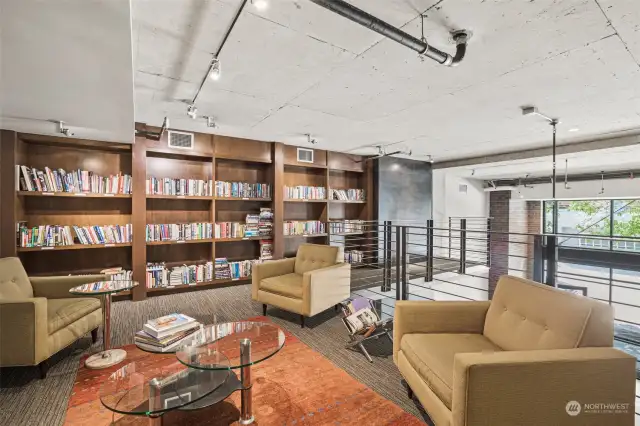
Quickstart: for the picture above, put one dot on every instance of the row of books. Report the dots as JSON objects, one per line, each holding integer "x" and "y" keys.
{"x": 118, "y": 274}
{"x": 158, "y": 275}
{"x": 347, "y": 194}
{"x": 77, "y": 181}
{"x": 353, "y": 256}
{"x": 242, "y": 189}
{"x": 346, "y": 226}
{"x": 168, "y": 333}
{"x": 225, "y": 270}
{"x": 307, "y": 227}
{"x": 185, "y": 187}
{"x": 58, "y": 235}
{"x": 179, "y": 231}
{"x": 305, "y": 192}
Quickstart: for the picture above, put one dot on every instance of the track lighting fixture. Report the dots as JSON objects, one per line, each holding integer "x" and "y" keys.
{"x": 215, "y": 70}
{"x": 310, "y": 140}
{"x": 260, "y": 4}
{"x": 211, "y": 122}
{"x": 64, "y": 130}
{"x": 192, "y": 111}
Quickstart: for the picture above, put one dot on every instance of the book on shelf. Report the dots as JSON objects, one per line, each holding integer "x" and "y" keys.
{"x": 179, "y": 187}
{"x": 353, "y": 256}
{"x": 158, "y": 275}
{"x": 168, "y": 325}
{"x": 169, "y": 343}
{"x": 346, "y": 226}
{"x": 252, "y": 225}
{"x": 179, "y": 231}
{"x": 242, "y": 190}
{"x": 305, "y": 193}
{"x": 308, "y": 227}
{"x": 266, "y": 249}
{"x": 74, "y": 181}
{"x": 45, "y": 236}
{"x": 58, "y": 235}
{"x": 242, "y": 268}
{"x": 229, "y": 230}
{"x": 347, "y": 194}
{"x": 222, "y": 271}
{"x": 118, "y": 274}
{"x": 265, "y": 222}
{"x": 108, "y": 234}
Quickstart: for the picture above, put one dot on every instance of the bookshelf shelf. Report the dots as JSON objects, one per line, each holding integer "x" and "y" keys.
{"x": 347, "y": 201}
{"x": 306, "y": 235}
{"x": 293, "y": 200}
{"x": 73, "y": 247}
{"x": 212, "y": 283}
{"x": 70, "y": 194}
{"x": 345, "y": 234}
{"x": 240, "y": 199}
{"x": 171, "y": 242}
{"x": 223, "y": 240}
{"x": 179, "y": 197}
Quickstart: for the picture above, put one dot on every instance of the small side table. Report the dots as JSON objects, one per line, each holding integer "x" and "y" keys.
{"x": 108, "y": 356}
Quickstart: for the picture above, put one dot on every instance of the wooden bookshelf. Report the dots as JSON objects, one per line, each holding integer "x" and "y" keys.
{"x": 212, "y": 158}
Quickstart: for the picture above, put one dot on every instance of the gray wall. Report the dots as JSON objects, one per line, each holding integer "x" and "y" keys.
{"x": 404, "y": 190}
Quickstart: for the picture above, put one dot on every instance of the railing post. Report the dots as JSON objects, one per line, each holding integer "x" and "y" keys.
{"x": 429, "y": 272}
{"x": 449, "y": 238}
{"x": 489, "y": 241}
{"x": 538, "y": 259}
{"x": 386, "y": 281}
{"x": 463, "y": 246}
{"x": 551, "y": 256}
{"x": 398, "y": 260}
{"x": 405, "y": 283}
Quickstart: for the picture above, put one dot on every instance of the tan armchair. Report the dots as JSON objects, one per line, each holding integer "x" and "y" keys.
{"x": 39, "y": 317}
{"x": 534, "y": 355}
{"x": 316, "y": 279}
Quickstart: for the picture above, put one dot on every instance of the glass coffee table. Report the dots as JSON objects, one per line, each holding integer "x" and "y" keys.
{"x": 143, "y": 389}
{"x": 243, "y": 344}
{"x": 108, "y": 356}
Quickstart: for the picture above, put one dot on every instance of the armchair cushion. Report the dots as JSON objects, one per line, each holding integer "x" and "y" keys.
{"x": 432, "y": 356}
{"x": 62, "y": 312}
{"x": 289, "y": 285}
{"x": 314, "y": 256}
{"x": 14, "y": 282}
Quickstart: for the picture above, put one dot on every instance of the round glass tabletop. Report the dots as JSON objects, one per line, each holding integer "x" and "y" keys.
{"x": 265, "y": 340}
{"x": 141, "y": 388}
{"x": 103, "y": 287}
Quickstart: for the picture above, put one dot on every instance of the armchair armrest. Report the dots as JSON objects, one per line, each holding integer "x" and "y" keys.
{"x": 325, "y": 287}
{"x": 437, "y": 317}
{"x": 272, "y": 268}
{"x": 58, "y": 287}
{"x": 23, "y": 331}
{"x": 535, "y": 387}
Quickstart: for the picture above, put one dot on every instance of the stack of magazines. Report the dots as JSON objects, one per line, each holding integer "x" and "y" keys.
{"x": 252, "y": 224}
{"x": 76, "y": 181}
{"x": 168, "y": 333}
{"x": 265, "y": 222}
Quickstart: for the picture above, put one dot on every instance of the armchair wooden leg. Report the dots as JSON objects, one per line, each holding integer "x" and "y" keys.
{"x": 264, "y": 309}
{"x": 94, "y": 335}
{"x": 302, "y": 320}
{"x": 409, "y": 392}
{"x": 43, "y": 367}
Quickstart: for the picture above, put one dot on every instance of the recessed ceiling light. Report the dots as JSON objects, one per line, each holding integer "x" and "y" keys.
{"x": 575, "y": 129}
{"x": 261, "y": 4}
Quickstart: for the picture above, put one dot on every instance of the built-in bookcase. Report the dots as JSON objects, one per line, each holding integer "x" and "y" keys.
{"x": 212, "y": 158}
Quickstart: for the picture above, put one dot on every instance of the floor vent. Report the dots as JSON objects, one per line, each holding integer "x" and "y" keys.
{"x": 180, "y": 140}
{"x": 305, "y": 155}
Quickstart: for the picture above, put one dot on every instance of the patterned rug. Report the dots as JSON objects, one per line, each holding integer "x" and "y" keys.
{"x": 297, "y": 386}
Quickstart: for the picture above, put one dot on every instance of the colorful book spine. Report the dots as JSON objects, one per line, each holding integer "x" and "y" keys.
{"x": 305, "y": 193}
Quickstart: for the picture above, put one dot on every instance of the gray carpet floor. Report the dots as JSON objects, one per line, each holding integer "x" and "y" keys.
{"x": 27, "y": 401}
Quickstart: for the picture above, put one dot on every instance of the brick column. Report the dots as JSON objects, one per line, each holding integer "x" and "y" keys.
{"x": 498, "y": 238}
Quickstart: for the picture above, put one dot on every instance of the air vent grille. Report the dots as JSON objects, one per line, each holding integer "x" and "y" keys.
{"x": 305, "y": 155}
{"x": 180, "y": 140}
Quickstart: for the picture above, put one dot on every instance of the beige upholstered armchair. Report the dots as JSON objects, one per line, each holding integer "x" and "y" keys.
{"x": 316, "y": 279}
{"x": 534, "y": 355}
{"x": 39, "y": 317}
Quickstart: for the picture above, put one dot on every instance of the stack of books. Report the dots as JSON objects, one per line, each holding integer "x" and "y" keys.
{"x": 252, "y": 225}
{"x": 305, "y": 193}
{"x": 222, "y": 271}
{"x": 265, "y": 222}
{"x": 308, "y": 227}
{"x": 347, "y": 194}
{"x": 185, "y": 187}
{"x": 266, "y": 249}
{"x": 168, "y": 333}
{"x": 242, "y": 190}
{"x": 179, "y": 231}
{"x": 77, "y": 181}
{"x": 108, "y": 234}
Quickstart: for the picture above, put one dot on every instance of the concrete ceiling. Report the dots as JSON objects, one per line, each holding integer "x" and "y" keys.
{"x": 69, "y": 61}
{"x": 296, "y": 68}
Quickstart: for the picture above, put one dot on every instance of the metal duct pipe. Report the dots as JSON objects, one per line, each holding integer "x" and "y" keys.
{"x": 422, "y": 47}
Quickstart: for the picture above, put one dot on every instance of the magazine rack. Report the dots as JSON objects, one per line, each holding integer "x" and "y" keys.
{"x": 356, "y": 337}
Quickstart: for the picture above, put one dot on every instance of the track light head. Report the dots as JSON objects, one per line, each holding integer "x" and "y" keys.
{"x": 192, "y": 112}
{"x": 211, "y": 122}
{"x": 215, "y": 70}
{"x": 260, "y": 4}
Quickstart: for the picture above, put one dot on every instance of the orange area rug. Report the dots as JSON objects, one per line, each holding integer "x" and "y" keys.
{"x": 297, "y": 386}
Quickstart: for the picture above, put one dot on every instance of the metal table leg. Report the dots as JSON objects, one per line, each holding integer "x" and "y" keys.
{"x": 246, "y": 415}
{"x": 108, "y": 356}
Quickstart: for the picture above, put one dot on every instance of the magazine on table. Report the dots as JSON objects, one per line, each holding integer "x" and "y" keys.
{"x": 168, "y": 324}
